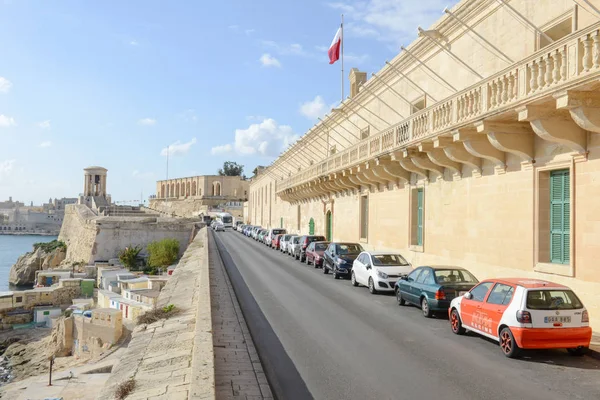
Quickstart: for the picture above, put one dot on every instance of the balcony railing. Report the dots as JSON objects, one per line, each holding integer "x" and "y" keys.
{"x": 566, "y": 61}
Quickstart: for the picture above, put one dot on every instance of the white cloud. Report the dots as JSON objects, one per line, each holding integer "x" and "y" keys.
{"x": 294, "y": 49}
{"x": 268, "y": 60}
{"x": 147, "y": 121}
{"x": 234, "y": 27}
{"x": 356, "y": 59}
{"x": 188, "y": 115}
{"x": 322, "y": 49}
{"x": 142, "y": 175}
{"x": 47, "y": 143}
{"x": 6, "y": 168}
{"x": 178, "y": 148}
{"x": 249, "y": 32}
{"x": 44, "y": 124}
{"x": 133, "y": 42}
{"x": 390, "y": 21}
{"x": 314, "y": 108}
{"x": 224, "y": 149}
{"x": 6, "y": 121}
{"x": 267, "y": 138}
{"x": 5, "y": 85}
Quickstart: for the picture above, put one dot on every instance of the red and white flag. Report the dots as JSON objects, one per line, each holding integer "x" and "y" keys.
{"x": 334, "y": 49}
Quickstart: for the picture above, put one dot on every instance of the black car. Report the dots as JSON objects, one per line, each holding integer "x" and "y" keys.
{"x": 338, "y": 258}
{"x": 304, "y": 242}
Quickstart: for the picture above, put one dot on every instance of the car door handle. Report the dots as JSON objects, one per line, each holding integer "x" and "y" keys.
{"x": 499, "y": 311}
{"x": 478, "y": 306}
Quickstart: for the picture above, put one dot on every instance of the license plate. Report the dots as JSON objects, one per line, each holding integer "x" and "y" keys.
{"x": 553, "y": 318}
{"x": 462, "y": 292}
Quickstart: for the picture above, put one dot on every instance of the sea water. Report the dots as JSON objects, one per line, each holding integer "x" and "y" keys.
{"x": 11, "y": 248}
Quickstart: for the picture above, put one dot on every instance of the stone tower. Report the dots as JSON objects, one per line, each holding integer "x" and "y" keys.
{"x": 94, "y": 188}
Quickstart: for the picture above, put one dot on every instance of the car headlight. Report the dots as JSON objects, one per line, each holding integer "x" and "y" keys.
{"x": 382, "y": 275}
{"x": 340, "y": 262}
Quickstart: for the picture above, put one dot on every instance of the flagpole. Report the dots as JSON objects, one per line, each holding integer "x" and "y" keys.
{"x": 343, "y": 40}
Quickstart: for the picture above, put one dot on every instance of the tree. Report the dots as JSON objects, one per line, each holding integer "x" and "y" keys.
{"x": 163, "y": 253}
{"x": 231, "y": 168}
{"x": 129, "y": 256}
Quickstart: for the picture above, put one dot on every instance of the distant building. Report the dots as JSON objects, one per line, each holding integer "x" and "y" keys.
{"x": 212, "y": 189}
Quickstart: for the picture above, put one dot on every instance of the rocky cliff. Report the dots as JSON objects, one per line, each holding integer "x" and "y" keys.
{"x": 42, "y": 257}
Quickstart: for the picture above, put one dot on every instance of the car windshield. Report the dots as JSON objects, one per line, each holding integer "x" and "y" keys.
{"x": 388, "y": 260}
{"x": 286, "y": 238}
{"x": 348, "y": 248}
{"x": 227, "y": 220}
{"x": 552, "y": 300}
{"x": 296, "y": 239}
{"x": 314, "y": 238}
{"x": 320, "y": 246}
{"x": 454, "y": 276}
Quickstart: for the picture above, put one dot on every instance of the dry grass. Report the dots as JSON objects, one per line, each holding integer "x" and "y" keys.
{"x": 157, "y": 314}
{"x": 124, "y": 389}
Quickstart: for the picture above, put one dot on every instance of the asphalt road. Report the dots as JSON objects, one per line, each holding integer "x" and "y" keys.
{"x": 348, "y": 344}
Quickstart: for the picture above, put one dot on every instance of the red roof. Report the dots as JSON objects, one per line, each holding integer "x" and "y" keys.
{"x": 530, "y": 283}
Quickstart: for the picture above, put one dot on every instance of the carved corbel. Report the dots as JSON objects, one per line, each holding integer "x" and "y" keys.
{"x": 407, "y": 163}
{"x": 438, "y": 157}
{"x": 379, "y": 174}
{"x": 555, "y": 126}
{"x": 583, "y": 106}
{"x": 479, "y": 146}
{"x": 511, "y": 137}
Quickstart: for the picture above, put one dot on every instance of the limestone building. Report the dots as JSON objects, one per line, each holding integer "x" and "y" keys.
{"x": 478, "y": 145}
{"x": 94, "y": 188}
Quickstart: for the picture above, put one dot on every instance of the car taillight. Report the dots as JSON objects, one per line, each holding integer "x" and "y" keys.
{"x": 585, "y": 317}
{"x": 440, "y": 295}
{"x": 524, "y": 317}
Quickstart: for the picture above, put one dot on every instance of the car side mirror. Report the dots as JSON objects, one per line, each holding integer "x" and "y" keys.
{"x": 404, "y": 277}
{"x": 468, "y": 296}
{"x": 368, "y": 266}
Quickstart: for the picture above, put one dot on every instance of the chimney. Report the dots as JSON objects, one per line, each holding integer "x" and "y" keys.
{"x": 357, "y": 78}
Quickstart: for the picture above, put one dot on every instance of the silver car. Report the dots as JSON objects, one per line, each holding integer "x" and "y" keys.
{"x": 293, "y": 244}
{"x": 283, "y": 242}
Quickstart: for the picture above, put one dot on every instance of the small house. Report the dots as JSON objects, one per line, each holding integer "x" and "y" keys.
{"x": 42, "y": 316}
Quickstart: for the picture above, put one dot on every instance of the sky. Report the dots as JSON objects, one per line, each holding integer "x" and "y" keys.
{"x": 116, "y": 83}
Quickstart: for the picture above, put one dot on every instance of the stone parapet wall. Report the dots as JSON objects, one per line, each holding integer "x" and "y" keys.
{"x": 173, "y": 358}
{"x": 78, "y": 232}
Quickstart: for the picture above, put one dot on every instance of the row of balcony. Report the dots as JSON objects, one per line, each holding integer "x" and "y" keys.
{"x": 564, "y": 64}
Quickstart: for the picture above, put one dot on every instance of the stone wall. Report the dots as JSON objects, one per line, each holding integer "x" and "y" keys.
{"x": 191, "y": 208}
{"x": 90, "y": 238}
{"x": 173, "y": 358}
{"x": 78, "y": 232}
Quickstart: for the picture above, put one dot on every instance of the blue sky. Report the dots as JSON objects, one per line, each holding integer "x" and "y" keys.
{"x": 112, "y": 83}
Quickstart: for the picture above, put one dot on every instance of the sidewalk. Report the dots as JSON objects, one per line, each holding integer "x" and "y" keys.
{"x": 238, "y": 370}
{"x": 595, "y": 347}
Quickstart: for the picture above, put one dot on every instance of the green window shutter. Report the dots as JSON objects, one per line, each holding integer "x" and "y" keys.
{"x": 281, "y": 222}
{"x": 560, "y": 213}
{"x": 311, "y": 227}
{"x": 420, "y": 217}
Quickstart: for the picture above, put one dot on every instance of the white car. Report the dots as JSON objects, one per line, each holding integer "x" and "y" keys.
{"x": 379, "y": 271}
{"x": 218, "y": 226}
{"x": 283, "y": 243}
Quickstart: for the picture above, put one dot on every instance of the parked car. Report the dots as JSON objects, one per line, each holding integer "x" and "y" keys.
{"x": 248, "y": 230}
{"x": 238, "y": 224}
{"x": 261, "y": 235}
{"x": 275, "y": 242}
{"x": 433, "y": 287}
{"x": 272, "y": 232}
{"x": 293, "y": 244}
{"x": 379, "y": 271}
{"x": 283, "y": 242}
{"x": 255, "y": 232}
{"x": 314, "y": 253}
{"x": 304, "y": 242}
{"x": 523, "y": 314}
{"x": 338, "y": 258}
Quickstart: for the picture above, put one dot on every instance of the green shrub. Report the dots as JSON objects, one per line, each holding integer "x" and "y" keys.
{"x": 163, "y": 253}
{"x": 130, "y": 256}
{"x": 157, "y": 314}
{"x": 50, "y": 246}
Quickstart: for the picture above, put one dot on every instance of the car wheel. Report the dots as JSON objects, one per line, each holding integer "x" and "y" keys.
{"x": 578, "y": 351}
{"x": 508, "y": 345}
{"x": 353, "y": 280}
{"x": 456, "y": 323}
{"x": 399, "y": 299}
{"x": 335, "y": 275}
{"x": 425, "y": 308}
{"x": 325, "y": 269}
{"x": 372, "y": 289}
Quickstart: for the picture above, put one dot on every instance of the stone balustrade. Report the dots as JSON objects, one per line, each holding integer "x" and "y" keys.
{"x": 572, "y": 60}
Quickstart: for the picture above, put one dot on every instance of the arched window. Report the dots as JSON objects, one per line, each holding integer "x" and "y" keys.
{"x": 172, "y": 193}
{"x": 187, "y": 189}
{"x": 177, "y": 190}
{"x": 193, "y": 188}
{"x": 162, "y": 191}
{"x": 218, "y": 188}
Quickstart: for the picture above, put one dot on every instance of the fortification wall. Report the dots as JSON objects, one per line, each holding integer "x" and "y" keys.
{"x": 187, "y": 208}
{"x": 78, "y": 231}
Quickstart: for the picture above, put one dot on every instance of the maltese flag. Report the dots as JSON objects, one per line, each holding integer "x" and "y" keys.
{"x": 334, "y": 49}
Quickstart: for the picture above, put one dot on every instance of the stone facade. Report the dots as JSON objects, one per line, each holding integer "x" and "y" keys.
{"x": 478, "y": 145}
{"x": 205, "y": 187}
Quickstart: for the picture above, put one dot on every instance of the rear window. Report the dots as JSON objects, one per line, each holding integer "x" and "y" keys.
{"x": 382, "y": 260}
{"x": 278, "y": 231}
{"x": 321, "y": 246}
{"x": 296, "y": 239}
{"x": 349, "y": 248}
{"x": 454, "y": 276}
{"x": 311, "y": 239}
{"x": 552, "y": 300}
